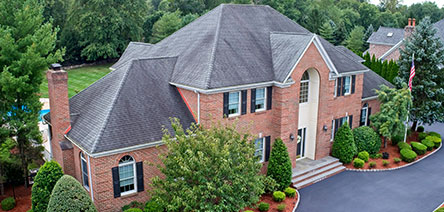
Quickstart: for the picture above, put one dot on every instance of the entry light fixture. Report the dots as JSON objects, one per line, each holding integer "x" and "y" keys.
{"x": 325, "y": 128}
{"x": 291, "y": 137}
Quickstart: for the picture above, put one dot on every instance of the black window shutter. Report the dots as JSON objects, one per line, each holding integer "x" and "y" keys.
{"x": 244, "y": 102}
{"x": 338, "y": 88}
{"x": 342, "y": 86}
{"x": 139, "y": 172}
{"x": 267, "y": 147}
{"x": 253, "y": 100}
{"x": 360, "y": 121}
{"x": 116, "y": 181}
{"x": 350, "y": 120}
{"x": 269, "y": 97}
{"x": 336, "y": 125}
{"x": 353, "y": 84}
{"x": 368, "y": 115}
{"x": 226, "y": 104}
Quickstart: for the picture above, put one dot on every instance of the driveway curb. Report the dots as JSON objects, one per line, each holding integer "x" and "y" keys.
{"x": 297, "y": 203}
{"x": 442, "y": 204}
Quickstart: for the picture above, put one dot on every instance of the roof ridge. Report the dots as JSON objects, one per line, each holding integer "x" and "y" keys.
{"x": 122, "y": 82}
{"x": 347, "y": 56}
{"x": 213, "y": 50}
{"x": 290, "y": 33}
{"x": 141, "y": 43}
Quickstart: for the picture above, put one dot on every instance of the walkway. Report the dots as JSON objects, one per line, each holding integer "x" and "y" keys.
{"x": 417, "y": 188}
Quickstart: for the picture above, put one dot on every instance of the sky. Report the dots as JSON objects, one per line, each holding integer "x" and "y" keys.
{"x": 410, "y": 2}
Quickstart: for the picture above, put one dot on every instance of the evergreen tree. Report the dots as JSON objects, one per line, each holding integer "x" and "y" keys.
{"x": 27, "y": 47}
{"x": 326, "y": 31}
{"x": 428, "y": 83}
{"x": 355, "y": 41}
{"x": 279, "y": 165}
{"x": 344, "y": 147}
{"x": 367, "y": 35}
{"x": 340, "y": 33}
{"x": 165, "y": 26}
{"x": 44, "y": 182}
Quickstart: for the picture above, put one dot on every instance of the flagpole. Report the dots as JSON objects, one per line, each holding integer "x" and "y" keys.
{"x": 408, "y": 106}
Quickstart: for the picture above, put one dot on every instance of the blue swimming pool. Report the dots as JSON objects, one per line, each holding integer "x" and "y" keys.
{"x": 42, "y": 113}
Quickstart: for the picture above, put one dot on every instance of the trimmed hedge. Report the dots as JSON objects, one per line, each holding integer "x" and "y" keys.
{"x": 404, "y": 145}
{"x": 363, "y": 156}
{"x": 279, "y": 165}
{"x": 408, "y": 155}
{"x": 436, "y": 141}
{"x": 422, "y": 136}
{"x": 344, "y": 147}
{"x": 278, "y": 196}
{"x": 419, "y": 148}
{"x": 69, "y": 195}
{"x": 358, "y": 163}
{"x": 435, "y": 134}
{"x": 153, "y": 206}
{"x": 428, "y": 143}
{"x": 290, "y": 192}
{"x": 8, "y": 204}
{"x": 44, "y": 182}
{"x": 263, "y": 206}
{"x": 366, "y": 139}
{"x": 133, "y": 210}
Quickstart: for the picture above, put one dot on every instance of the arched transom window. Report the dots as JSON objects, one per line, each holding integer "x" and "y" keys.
{"x": 127, "y": 174}
{"x": 303, "y": 95}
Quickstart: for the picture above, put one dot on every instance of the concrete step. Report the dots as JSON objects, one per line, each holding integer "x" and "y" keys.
{"x": 298, "y": 173}
{"x": 319, "y": 177}
{"x": 315, "y": 172}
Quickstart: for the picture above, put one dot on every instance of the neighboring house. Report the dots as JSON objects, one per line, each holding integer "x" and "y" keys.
{"x": 237, "y": 62}
{"x": 385, "y": 43}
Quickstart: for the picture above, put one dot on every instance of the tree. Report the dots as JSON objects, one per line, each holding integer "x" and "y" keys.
{"x": 55, "y": 11}
{"x": 326, "y": 31}
{"x": 367, "y": 35}
{"x": 366, "y": 139}
{"x": 165, "y": 26}
{"x": 389, "y": 5}
{"x": 344, "y": 147}
{"x": 422, "y": 10}
{"x": 389, "y": 121}
{"x": 428, "y": 83}
{"x": 27, "y": 47}
{"x": 355, "y": 41}
{"x": 44, "y": 182}
{"x": 279, "y": 165}
{"x": 213, "y": 170}
{"x": 69, "y": 195}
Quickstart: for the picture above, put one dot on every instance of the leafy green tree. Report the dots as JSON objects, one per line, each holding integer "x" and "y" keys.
{"x": 27, "y": 47}
{"x": 286, "y": 7}
{"x": 350, "y": 18}
{"x": 427, "y": 8}
{"x": 213, "y": 170}
{"x": 428, "y": 83}
{"x": 344, "y": 147}
{"x": 355, "y": 41}
{"x": 44, "y": 182}
{"x": 369, "y": 13}
{"x": 188, "y": 19}
{"x": 367, "y": 35}
{"x": 389, "y": 5}
{"x": 189, "y": 6}
{"x": 55, "y": 11}
{"x": 165, "y": 26}
{"x": 69, "y": 195}
{"x": 340, "y": 33}
{"x": 279, "y": 165}
{"x": 315, "y": 20}
{"x": 389, "y": 121}
{"x": 326, "y": 31}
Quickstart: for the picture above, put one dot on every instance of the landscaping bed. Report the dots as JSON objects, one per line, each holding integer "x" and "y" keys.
{"x": 23, "y": 198}
{"x": 290, "y": 203}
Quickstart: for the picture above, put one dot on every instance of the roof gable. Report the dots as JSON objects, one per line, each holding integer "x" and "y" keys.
{"x": 382, "y": 36}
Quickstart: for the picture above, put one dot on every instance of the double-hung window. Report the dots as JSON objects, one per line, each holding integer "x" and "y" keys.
{"x": 127, "y": 175}
{"x": 84, "y": 168}
{"x": 347, "y": 85}
{"x": 234, "y": 103}
{"x": 259, "y": 147}
{"x": 260, "y": 99}
{"x": 364, "y": 111}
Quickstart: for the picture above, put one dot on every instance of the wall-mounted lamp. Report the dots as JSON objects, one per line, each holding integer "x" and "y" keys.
{"x": 291, "y": 137}
{"x": 325, "y": 128}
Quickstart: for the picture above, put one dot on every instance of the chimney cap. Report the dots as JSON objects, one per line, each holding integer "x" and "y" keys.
{"x": 56, "y": 66}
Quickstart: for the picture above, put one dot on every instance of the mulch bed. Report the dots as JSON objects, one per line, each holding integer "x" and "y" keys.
{"x": 290, "y": 202}
{"x": 393, "y": 153}
{"x": 22, "y": 198}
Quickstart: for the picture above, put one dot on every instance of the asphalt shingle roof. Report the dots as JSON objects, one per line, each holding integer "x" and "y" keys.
{"x": 440, "y": 29}
{"x": 350, "y": 54}
{"x": 373, "y": 81}
{"x": 381, "y": 36}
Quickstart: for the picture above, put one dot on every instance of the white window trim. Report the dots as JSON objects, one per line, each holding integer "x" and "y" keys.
{"x": 366, "y": 115}
{"x": 238, "y": 105}
{"x": 83, "y": 159}
{"x": 332, "y": 137}
{"x": 133, "y": 162}
{"x": 263, "y": 149}
{"x": 349, "y": 89}
{"x": 308, "y": 91}
{"x": 265, "y": 101}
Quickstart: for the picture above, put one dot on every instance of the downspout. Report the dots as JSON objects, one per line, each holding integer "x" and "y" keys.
{"x": 90, "y": 180}
{"x": 198, "y": 107}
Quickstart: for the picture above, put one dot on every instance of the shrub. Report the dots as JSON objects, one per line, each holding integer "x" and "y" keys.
{"x": 396, "y": 160}
{"x": 153, "y": 206}
{"x": 270, "y": 184}
{"x": 435, "y": 134}
{"x": 396, "y": 139}
{"x": 420, "y": 129}
{"x": 133, "y": 204}
{"x": 385, "y": 162}
{"x": 366, "y": 139}
{"x": 439, "y": 210}
{"x": 358, "y": 163}
{"x": 279, "y": 165}
{"x": 404, "y": 145}
{"x": 290, "y": 192}
{"x": 428, "y": 143}
{"x": 69, "y": 195}
{"x": 363, "y": 156}
{"x": 344, "y": 147}
{"x": 44, "y": 182}
{"x": 422, "y": 136}
{"x": 408, "y": 155}
{"x": 133, "y": 210}
{"x": 8, "y": 204}
{"x": 435, "y": 140}
{"x": 278, "y": 196}
{"x": 281, "y": 207}
{"x": 419, "y": 148}
{"x": 263, "y": 206}
{"x": 372, "y": 164}
{"x": 385, "y": 155}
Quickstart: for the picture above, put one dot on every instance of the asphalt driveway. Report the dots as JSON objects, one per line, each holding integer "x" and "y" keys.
{"x": 417, "y": 188}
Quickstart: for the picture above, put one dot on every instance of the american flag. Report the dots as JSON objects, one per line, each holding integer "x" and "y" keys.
{"x": 412, "y": 73}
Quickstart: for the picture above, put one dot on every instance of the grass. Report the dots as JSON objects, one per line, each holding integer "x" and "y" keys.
{"x": 79, "y": 79}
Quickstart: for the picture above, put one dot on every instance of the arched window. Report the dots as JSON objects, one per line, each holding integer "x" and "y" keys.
{"x": 364, "y": 115}
{"x": 127, "y": 174}
{"x": 303, "y": 95}
{"x": 84, "y": 168}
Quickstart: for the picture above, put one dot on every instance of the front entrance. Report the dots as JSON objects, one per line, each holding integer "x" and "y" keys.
{"x": 300, "y": 152}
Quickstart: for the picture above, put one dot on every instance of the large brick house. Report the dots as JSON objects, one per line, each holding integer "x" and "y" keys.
{"x": 385, "y": 43}
{"x": 237, "y": 62}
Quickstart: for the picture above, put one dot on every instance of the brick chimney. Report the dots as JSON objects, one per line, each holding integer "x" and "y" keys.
{"x": 408, "y": 30}
{"x": 61, "y": 149}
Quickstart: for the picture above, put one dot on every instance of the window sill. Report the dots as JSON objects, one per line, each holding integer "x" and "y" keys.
{"x": 260, "y": 112}
{"x": 86, "y": 187}
{"x": 129, "y": 194}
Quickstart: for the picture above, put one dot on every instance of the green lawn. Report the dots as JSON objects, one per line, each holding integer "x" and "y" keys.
{"x": 79, "y": 79}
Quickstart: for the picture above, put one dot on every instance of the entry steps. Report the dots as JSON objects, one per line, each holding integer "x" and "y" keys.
{"x": 308, "y": 172}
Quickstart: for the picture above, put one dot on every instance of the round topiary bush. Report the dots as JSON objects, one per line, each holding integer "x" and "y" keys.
{"x": 263, "y": 206}
{"x": 358, "y": 163}
{"x": 404, "y": 145}
{"x": 290, "y": 192}
{"x": 428, "y": 143}
{"x": 372, "y": 164}
{"x": 364, "y": 156}
{"x": 408, "y": 155}
{"x": 419, "y": 148}
{"x": 278, "y": 196}
{"x": 133, "y": 210}
{"x": 366, "y": 139}
{"x": 281, "y": 207}
{"x": 8, "y": 204}
{"x": 69, "y": 195}
{"x": 435, "y": 134}
{"x": 435, "y": 140}
{"x": 153, "y": 206}
{"x": 422, "y": 136}
{"x": 279, "y": 165}
{"x": 420, "y": 129}
{"x": 344, "y": 147}
{"x": 44, "y": 182}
